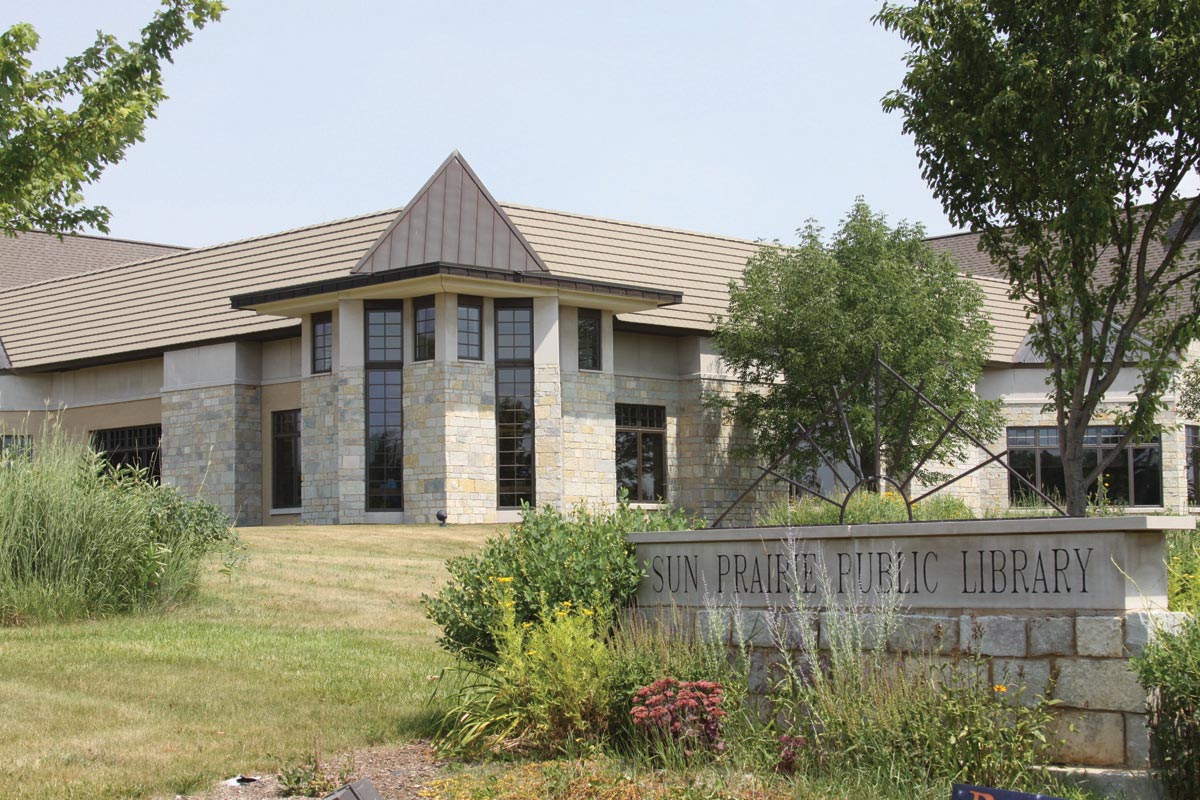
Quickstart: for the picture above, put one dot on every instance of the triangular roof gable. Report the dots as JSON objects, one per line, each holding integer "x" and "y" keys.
{"x": 4, "y": 362}
{"x": 453, "y": 219}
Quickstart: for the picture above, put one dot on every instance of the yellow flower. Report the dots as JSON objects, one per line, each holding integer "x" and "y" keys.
{"x": 560, "y": 613}
{"x": 509, "y": 603}
{"x": 1000, "y": 687}
{"x": 531, "y": 652}
{"x": 566, "y": 603}
{"x": 503, "y": 580}
{"x": 526, "y": 624}
{"x": 588, "y": 612}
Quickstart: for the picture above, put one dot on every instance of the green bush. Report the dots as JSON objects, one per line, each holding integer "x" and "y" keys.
{"x": 81, "y": 539}
{"x": 581, "y": 557}
{"x": 1169, "y": 668}
{"x": 544, "y": 692}
{"x": 864, "y": 507}
{"x": 1183, "y": 571}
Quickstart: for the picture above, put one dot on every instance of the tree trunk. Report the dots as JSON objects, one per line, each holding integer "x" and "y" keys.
{"x": 1071, "y": 448}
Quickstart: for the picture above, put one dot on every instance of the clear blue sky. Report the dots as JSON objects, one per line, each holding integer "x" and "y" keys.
{"x": 741, "y": 118}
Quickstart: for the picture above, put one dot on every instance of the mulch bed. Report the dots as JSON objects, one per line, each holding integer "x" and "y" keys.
{"x": 399, "y": 773}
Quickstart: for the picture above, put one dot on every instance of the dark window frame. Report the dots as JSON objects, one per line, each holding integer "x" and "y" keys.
{"x": 322, "y": 342}
{"x": 1042, "y": 442}
{"x": 509, "y": 363}
{"x": 1191, "y": 444}
{"x": 424, "y": 340}
{"x": 126, "y": 446}
{"x": 644, "y": 421}
{"x": 286, "y": 432}
{"x": 16, "y": 445}
{"x": 375, "y": 368}
{"x": 594, "y": 355}
{"x": 466, "y": 301}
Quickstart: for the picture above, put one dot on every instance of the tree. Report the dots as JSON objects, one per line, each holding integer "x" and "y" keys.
{"x": 1063, "y": 132}
{"x": 805, "y": 320}
{"x": 59, "y": 128}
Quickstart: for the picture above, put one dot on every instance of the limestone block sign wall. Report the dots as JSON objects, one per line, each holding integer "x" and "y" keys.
{"x": 1062, "y": 602}
{"x": 1110, "y": 563}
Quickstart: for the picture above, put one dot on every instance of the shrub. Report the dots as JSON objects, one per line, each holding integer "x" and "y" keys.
{"x": 684, "y": 717}
{"x": 544, "y": 691}
{"x": 1183, "y": 570}
{"x": 864, "y": 507}
{"x": 581, "y": 557}
{"x": 1169, "y": 667}
{"x": 79, "y": 538}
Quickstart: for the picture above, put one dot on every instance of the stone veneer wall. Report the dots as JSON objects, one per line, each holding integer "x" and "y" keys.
{"x": 470, "y": 431}
{"x": 1086, "y": 654}
{"x": 548, "y": 434}
{"x": 332, "y": 448}
{"x": 319, "y": 449}
{"x": 588, "y": 438}
{"x": 426, "y": 444}
{"x": 702, "y": 476}
{"x": 212, "y": 446}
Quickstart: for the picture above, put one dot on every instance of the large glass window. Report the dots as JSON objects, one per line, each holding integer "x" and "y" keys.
{"x": 589, "y": 339}
{"x": 1133, "y": 478}
{"x": 1193, "y": 464}
{"x": 424, "y": 329}
{"x": 470, "y": 328}
{"x": 14, "y": 446}
{"x": 285, "y": 459}
{"x": 322, "y": 342}
{"x": 642, "y": 452}
{"x": 134, "y": 447}
{"x": 514, "y": 403}
{"x": 385, "y": 410}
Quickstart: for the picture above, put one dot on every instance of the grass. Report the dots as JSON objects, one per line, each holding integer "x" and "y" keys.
{"x": 320, "y": 637}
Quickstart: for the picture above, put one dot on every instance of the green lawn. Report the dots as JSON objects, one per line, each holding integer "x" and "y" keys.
{"x": 320, "y": 637}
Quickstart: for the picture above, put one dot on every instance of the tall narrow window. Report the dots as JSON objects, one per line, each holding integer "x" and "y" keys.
{"x": 322, "y": 342}
{"x": 642, "y": 452}
{"x": 1133, "y": 478}
{"x": 589, "y": 338}
{"x": 285, "y": 459}
{"x": 1193, "y": 464}
{"x": 514, "y": 403}
{"x": 385, "y": 410}
{"x": 470, "y": 327}
{"x": 424, "y": 329}
{"x": 131, "y": 447}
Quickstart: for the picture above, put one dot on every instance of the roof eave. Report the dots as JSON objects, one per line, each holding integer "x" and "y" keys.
{"x": 292, "y": 300}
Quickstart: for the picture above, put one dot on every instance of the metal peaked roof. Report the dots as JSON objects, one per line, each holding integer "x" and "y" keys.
{"x": 453, "y": 219}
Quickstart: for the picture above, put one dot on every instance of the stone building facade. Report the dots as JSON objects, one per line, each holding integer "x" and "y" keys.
{"x": 458, "y": 355}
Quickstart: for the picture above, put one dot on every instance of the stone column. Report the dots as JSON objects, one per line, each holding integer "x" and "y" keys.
{"x": 212, "y": 426}
{"x": 547, "y": 403}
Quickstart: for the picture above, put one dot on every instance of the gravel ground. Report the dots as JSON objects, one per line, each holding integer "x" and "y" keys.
{"x": 399, "y": 773}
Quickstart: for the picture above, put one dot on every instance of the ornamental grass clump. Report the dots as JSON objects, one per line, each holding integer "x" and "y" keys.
{"x": 81, "y": 539}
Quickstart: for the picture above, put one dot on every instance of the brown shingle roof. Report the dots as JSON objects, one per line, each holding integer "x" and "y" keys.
{"x": 30, "y": 257}
{"x": 182, "y": 298}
